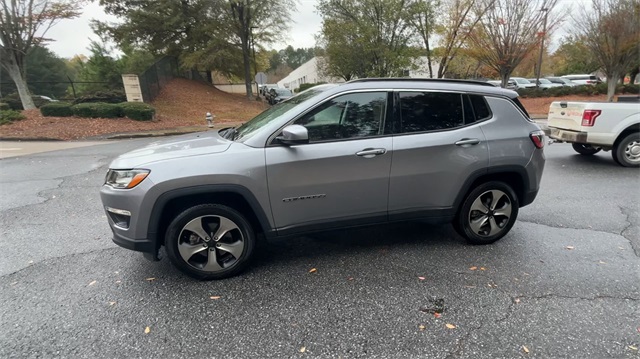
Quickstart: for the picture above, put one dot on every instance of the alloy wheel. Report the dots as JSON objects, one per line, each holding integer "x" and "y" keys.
{"x": 490, "y": 213}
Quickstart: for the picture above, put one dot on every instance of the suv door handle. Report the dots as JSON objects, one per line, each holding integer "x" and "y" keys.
{"x": 371, "y": 152}
{"x": 467, "y": 141}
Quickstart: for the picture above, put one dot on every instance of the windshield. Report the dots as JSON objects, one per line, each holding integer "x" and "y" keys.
{"x": 545, "y": 81}
{"x": 283, "y": 92}
{"x": 251, "y": 127}
{"x": 522, "y": 81}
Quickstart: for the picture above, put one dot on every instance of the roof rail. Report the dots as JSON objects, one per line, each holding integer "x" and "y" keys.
{"x": 470, "y": 82}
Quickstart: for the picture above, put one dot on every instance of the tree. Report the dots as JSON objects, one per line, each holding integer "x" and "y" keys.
{"x": 613, "y": 39}
{"x": 460, "y": 19}
{"x": 102, "y": 69}
{"x": 368, "y": 38}
{"x": 508, "y": 31}
{"x": 423, "y": 18}
{"x": 23, "y": 24}
{"x": 46, "y": 74}
{"x": 573, "y": 56}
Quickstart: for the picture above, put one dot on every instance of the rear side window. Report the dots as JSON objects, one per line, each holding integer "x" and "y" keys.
{"x": 480, "y": 108}
{"x": 430, "y": 111}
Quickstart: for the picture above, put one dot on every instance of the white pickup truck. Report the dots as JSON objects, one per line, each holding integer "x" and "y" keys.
{"x": 595, "y": 126}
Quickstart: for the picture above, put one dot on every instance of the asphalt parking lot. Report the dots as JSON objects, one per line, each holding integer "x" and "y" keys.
{"x": 565, "y": 283}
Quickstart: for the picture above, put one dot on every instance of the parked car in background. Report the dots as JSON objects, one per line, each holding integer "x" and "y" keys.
{"x": 522, "y": 83}
{"x": 264, "y": 89}
{"x": 584, "y": 79}
{"x": 369, "y": 151}
{"x": 511, "y": 84}
{"x": 594, "y": 126}
{"x": 562, "y": 81}
{"x": 278, "y": 95}
{"x": 545, "y": 84}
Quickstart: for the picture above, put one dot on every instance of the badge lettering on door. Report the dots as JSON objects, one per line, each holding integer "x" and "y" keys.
{"x": 311, "y": 196}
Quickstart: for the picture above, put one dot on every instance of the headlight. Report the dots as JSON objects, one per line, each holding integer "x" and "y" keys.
{"x": 125, "y": 178}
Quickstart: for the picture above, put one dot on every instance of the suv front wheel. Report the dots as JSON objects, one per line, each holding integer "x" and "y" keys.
{"x": 487, "y": 213}
{"x": 210, "y": 241}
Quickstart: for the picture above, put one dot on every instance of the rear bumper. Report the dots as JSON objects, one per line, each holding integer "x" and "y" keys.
{"x": 568, "y": 136}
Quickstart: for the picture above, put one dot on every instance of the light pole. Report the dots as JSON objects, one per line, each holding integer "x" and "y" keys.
{"x": 544, "y": 33}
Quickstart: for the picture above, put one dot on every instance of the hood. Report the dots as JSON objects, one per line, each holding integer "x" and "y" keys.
{"x": 194, "y": 144}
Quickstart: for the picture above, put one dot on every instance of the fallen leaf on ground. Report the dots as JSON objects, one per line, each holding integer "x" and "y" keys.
{"x": 302, "y": 350}
{"x": 350, "y": 278}
{"x": 147, "y": 330}
{"x": 94, "y": 282}
{"x": 14, "y": 283}
{"x": 150, "y": 279}
{"x": 421, "y": 278}
{"x": 421, "y": 327}
{"x": 437, "y": 315}
{"x": 112, "y": 303}
{"x": 450, "y": 326}
{"x": 214, "y": 297}
{"x": 118, "y": 282}
{"x": 312, "y": 270}
{"x": 633, "y": 348}
{"x": 525, "y": 349}
{"x": 601, "y": 262}
{"x": 569, "y": 247}
{"x": 483, "y": 268}
{"x": 517, "y": 300}
{"x": 473, "y": 268}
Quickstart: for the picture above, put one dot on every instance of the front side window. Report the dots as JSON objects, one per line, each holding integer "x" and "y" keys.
{"x": 430, "y": 111}
{"x": 355, "y": 115}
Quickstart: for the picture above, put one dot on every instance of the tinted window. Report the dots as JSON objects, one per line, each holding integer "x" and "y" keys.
{"x": 348, "y": 116}
{"x": 430, "y": 111}
{"x": 480, "y": 107}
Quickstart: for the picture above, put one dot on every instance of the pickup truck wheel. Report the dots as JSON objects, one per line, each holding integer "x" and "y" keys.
{"x": 488, "y": 213}
{"x": 583, "y": 149}
{"x": 210, "y": 241}
{"x": 627, "y": 151}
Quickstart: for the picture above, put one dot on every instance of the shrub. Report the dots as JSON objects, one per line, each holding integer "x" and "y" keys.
{"x": 97, "y": 110}
{"x": 307, "y": 86}
{"x": 9, "y": 116}
{"x": 631, "y": 89}
{"x": 102, "y": 96}
{"x": 56, "y": 109}
{"x": 138, "y": 111}
{"x": 4, "y": 106}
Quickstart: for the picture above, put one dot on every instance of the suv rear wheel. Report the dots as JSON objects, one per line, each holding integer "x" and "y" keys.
{"x": 210, "y": 241}
{"x": 487, "y": 213}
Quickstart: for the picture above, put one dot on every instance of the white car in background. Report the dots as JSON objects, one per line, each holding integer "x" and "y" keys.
{"x": 523, "y": 83}
{"x": 562, "y": 81}
{"x": 583, "y": 79}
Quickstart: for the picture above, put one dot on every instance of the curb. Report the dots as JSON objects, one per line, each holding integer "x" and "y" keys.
{"x": 32, "y": 139}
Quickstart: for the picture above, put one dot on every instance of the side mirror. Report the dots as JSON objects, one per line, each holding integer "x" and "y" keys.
{"x": 294, "y": 135}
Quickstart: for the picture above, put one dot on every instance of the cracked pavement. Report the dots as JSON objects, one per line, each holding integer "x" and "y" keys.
{"x": 565, "y": 283}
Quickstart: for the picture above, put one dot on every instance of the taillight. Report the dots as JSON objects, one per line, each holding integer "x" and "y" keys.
{"x": 589, "y": 117}
{"x": 538, "y": 138}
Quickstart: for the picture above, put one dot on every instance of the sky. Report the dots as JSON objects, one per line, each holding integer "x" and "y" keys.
{"x": 73, "y": 36}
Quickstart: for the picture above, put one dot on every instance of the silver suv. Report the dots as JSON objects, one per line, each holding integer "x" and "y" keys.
{"x": 366, "y": 152}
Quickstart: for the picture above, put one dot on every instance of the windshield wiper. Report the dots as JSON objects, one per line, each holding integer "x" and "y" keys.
{"x": 229, "y": 133}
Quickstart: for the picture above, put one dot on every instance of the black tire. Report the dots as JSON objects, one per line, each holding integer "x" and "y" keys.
{"x": 584, "y": 149}
{"x": 625, "y": 152}
{"x": 466, "y": 215}
{"x": 210, "y": 219}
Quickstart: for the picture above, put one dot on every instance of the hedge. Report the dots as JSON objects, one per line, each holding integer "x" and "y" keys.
{"x": 138, "y": 111}
{"x": 98, "y": 110}
{"x": 4, "y": 106}
{"x": 9, "y": 116}
{"x": 57, "y": 109}
{"x": 103, "y": 97}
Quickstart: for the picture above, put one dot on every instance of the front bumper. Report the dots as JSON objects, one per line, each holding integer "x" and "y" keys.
{"x": 140, "y": 245}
